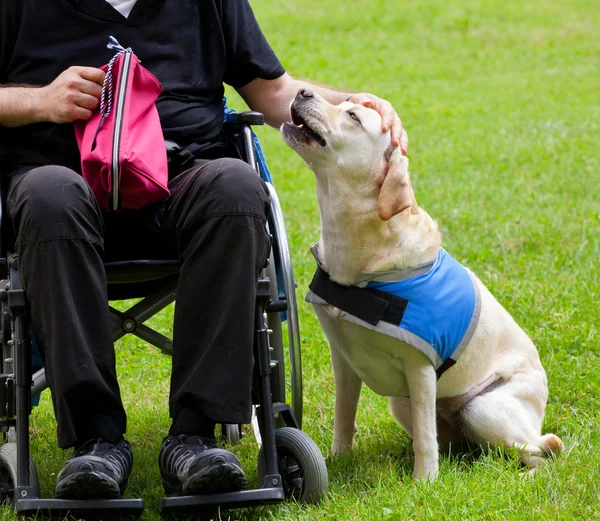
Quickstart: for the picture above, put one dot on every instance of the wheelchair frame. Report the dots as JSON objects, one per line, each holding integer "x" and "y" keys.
{"x": 291, "y": 463}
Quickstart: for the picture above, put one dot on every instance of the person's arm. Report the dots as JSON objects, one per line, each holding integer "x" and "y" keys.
{"x": 71, "y": 96}
{"x": 273, "y": 99}
{"x": 20, "y": 105}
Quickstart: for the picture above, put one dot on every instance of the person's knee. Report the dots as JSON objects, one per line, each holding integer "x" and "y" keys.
{"x": 56, "y": 202}
{"x": 237, "y": 189}
{"x": 49, "y": 190}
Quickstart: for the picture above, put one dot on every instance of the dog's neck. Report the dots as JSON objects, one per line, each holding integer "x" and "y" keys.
{"x": 354, "y": 239}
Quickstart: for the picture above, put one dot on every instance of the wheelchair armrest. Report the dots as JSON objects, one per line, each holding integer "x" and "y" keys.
{"x": 247, "y": 118}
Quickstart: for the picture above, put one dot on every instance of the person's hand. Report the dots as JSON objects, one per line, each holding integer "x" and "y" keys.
{"x": 73, "y": 95}
{"x": 389, "y": 119}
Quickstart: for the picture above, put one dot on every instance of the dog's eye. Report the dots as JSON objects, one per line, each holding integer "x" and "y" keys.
{"x": 353, "y": 116}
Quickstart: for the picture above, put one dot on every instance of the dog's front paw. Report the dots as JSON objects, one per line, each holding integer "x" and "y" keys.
{"x": 340, "y": 447}
{"x": 426, "y": 470}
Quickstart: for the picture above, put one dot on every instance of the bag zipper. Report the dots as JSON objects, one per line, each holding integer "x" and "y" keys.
{"x": 116, "y": 144}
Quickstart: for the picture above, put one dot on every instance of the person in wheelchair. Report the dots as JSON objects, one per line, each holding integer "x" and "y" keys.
{"x": 213, "y": 221}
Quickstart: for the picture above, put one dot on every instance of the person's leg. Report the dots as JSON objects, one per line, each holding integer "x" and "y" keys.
{"x": 217, "y": 212}
{"x": 59, "y": 231}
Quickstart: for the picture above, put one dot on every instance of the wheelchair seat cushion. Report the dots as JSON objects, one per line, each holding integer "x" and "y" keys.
{"x": 133, "y": 271}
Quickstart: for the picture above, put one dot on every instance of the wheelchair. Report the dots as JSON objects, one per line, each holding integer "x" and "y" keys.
{"x": 290, "y": 465}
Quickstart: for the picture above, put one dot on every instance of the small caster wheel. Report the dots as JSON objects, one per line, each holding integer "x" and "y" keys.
{"x": 232, "y": 433}
{"x": 8, "y": 473}
{"x": 301, "y": 466}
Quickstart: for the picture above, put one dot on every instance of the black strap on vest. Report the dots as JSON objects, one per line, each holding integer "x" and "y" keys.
{"x": 368, "y": 304}
{"x": 444, "y": 367}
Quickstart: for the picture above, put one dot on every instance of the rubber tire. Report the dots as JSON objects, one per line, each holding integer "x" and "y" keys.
{"x": 296, "y": 447}
{"x": 8, "y": 473}
{"x": 232, "y": 433}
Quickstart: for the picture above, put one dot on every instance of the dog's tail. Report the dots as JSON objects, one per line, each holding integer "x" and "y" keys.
{"x": 551, "y": 444}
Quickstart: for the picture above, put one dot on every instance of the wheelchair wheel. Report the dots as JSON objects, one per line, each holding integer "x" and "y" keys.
{"x": 8, "y": 473}
{"x": 232, "y": 433}
{"x": 276, "y": 344}
{"x": 301, "y": 466}
{"x": 277, "y": 226}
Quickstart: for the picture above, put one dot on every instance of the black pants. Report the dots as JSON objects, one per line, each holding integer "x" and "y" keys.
{"x": 214, "y": 222}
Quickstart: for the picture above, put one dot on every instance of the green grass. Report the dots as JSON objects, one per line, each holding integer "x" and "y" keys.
{"x": 501, "y": 101}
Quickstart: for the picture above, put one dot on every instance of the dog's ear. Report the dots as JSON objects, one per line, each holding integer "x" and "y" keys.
{"x": 396, "y": 194}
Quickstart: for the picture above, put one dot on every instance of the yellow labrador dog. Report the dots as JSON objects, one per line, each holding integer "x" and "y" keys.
{"x": 452, "y": 361}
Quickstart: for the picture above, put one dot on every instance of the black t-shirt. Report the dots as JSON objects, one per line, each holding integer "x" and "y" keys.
{"x": 191, "y": 46}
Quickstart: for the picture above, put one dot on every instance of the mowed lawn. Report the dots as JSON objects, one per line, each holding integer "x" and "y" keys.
{"x": 501, "y": 100}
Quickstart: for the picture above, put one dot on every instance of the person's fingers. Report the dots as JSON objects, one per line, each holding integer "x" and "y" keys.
{"x": 72, "y": 95}
{"x": 404, "y": 142}
{"x": 385, "y": 109}
{"x": 86, "y": 101}
{"x": 79, "y": 113}
{"x": 90, "y": 88}
{"x": 362, "y": 99}
{"x": 396, "y": 130}
{"x": 91, "y": 74}
{"x": 388, "y": 117}
{"x": 70, "y": 113}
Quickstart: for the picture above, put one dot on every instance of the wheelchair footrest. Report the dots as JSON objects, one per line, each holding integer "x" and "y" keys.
{"x": 79, "y": 508}
{"x": 244, "y": 498}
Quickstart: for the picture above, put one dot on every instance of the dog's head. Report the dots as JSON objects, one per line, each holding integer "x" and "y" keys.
{"x": 345, "y": 143}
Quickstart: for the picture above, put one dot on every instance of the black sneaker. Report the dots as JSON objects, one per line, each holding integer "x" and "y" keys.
{"x": 97, "y": 470}
{"x": 191, "y": 465}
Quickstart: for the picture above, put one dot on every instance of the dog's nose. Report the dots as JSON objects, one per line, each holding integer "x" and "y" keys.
{"x": 304, "y": 94}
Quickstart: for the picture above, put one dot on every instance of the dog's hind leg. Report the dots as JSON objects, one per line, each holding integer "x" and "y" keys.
{"x": 347, "y": 394}
{"x": 449, "y": 432}
{"x": 511, "y": 415}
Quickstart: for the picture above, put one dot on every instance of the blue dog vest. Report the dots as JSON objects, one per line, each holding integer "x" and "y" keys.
{"x": 435, "y": 307}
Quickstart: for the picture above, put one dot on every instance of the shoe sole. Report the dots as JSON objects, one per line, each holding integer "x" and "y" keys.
{"x": 88, "y": 485}
{"x": 217, "y": 479}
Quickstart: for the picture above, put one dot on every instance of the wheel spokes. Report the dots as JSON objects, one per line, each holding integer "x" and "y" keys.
{"x": 291, "y": 475}
{"x": 7, "y": 487}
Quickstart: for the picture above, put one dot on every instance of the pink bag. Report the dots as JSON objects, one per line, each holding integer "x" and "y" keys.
{"x": 123, "y": 153}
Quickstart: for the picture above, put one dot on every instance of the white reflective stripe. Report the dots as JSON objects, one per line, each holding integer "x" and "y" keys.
{"x": 466, "y": 339}
{"x": 395, "y": 331}
{"x": 383, "y": 276}
{"x": 313, "y": 298}
{"x": 120, "y": 104}
{"x": 385, "y": 328}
